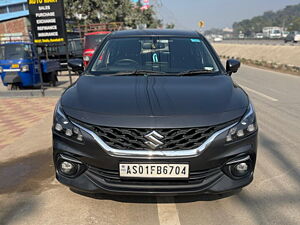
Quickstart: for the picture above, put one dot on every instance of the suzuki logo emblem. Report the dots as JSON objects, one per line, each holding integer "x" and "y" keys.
{"x": 153, "y": 139}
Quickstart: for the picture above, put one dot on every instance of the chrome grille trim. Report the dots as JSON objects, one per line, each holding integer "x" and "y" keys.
{"x": 155, "y": 154}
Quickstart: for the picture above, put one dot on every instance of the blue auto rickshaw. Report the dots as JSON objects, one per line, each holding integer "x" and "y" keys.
{"x": 19, "y": 66}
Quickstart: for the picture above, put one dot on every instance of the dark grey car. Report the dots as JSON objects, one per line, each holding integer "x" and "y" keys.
{"x": 155, "y": 112}
{"x": 293, "y": 36}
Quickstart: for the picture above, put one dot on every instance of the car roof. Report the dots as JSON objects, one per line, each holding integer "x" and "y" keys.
{"x": 97, "y": 32}
{"x": 155, "y": 32}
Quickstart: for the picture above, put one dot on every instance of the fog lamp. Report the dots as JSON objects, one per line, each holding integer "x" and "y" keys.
{"x": 67, "y": 168}
{"x": 240, "y": 170}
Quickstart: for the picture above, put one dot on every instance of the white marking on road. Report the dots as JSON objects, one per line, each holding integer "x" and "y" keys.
{"x": 260, "y": 94}
{"x": 167, "y": 211}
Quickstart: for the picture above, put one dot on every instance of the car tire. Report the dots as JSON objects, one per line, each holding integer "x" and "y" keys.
{"x": 13, "y": 87}
{"x": 53, "y": 79}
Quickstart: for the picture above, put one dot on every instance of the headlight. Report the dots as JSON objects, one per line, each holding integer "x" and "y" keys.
{"x": 63, "y": 126}
{"x": 246, "y": 127}
{"x": 25, "y": 68}
{"x": 1, "y": 69}
{"x": 86, "y": 58}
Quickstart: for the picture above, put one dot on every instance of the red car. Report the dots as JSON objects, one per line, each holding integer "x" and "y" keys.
{"x": 91, "y": 41}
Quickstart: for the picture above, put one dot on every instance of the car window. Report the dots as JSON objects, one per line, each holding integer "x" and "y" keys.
{"x": 92, "y": 41}
{"x": 169, "y": 55}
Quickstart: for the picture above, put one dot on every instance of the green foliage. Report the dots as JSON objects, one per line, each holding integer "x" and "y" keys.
{"x": 170, "y": 26}
{"x": 288, "y": 18}
{"x": 106, "y": 11}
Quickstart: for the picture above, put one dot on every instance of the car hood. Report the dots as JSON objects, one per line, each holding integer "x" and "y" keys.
{"x": 155, "y": 101}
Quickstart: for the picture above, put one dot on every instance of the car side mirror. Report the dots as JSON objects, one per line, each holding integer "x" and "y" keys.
{"x": 76, "y": 65}
{"x": 232, "y": 66}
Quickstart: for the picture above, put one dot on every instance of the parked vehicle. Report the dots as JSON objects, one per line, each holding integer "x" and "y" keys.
{"x": 155, "y": 112}
{"x": 272, "y": 32}
{"x": 19, "y": 66}
{"x": 218, "y": 38}
{"x": 60, "y": 52}
{"x": 285, "y": 34}
{"x": 91, "y": 41}
{"x": 259, "y": 35}
{"x": 293, "y": 36}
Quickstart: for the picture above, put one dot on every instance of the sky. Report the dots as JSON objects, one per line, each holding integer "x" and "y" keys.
{"x": 216, "y": 13}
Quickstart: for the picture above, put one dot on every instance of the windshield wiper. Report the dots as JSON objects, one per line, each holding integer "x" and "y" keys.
{"x": 195, "y": 72}
{"x": 138, "y": 72}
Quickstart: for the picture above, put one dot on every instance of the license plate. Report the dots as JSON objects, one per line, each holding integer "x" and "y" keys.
{"x": 154, "y": 170}
{"x": 15, "y": 66}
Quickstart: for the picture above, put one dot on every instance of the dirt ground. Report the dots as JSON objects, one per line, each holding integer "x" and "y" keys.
{"x": 289, "y": 55}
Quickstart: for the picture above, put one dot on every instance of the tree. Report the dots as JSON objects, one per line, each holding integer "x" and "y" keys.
{"x": 106, "y": 11}
{"x": 287, "y": 17}
{"x": 295, "y": 25}
{"x": 170, "y": 26}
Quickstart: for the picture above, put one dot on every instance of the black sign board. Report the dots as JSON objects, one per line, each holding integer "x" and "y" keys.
{"x": 47, "y": 21}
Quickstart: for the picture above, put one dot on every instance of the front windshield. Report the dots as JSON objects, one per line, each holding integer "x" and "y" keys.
{"x": 15, "y": 51}
{"x": 167, "y": 55}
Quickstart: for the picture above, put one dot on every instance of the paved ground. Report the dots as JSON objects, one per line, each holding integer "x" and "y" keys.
{"x": 29, "y": 193}
{"x": 17, "y": 115}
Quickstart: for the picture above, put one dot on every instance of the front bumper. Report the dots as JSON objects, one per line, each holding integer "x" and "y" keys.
{"x": 208, "y": 171}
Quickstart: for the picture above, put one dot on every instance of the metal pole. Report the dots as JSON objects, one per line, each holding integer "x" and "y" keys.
{"x": 69, "y": 71}
{"x": 40, "y": 70}
{"x": 67, "y": 44}
{"x": 46, "y": 52}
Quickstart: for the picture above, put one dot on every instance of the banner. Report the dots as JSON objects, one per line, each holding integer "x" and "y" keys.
{"x": 47, "y": 21}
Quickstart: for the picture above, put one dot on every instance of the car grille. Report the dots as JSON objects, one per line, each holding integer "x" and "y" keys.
{"x": 173, "y": 138}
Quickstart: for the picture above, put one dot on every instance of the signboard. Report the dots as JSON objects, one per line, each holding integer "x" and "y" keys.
{"x": 201, "y": 24}
{"x": 47, "y": 21}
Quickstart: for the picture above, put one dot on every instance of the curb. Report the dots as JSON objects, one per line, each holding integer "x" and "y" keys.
{"x": 31, "y": 93}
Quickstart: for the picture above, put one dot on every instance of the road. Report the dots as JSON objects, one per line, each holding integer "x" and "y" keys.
{"x": 260, "y": 42}
{"x": 29, "y": 193}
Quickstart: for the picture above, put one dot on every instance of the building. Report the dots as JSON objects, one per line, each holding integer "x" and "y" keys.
{"x": 13, "y": 18}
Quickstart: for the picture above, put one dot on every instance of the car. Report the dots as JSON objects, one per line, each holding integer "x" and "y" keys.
{"x": 90, "y": 42}
{"x": 60, "y": 52}
{"x": 155, "y": 113}
{"x": 218, "y": 38}
{"x": 293, "y": 36}
{"x": 259, "y": 35}
{"x": 285, "y": 34}
{"x": 275, "y": 33}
